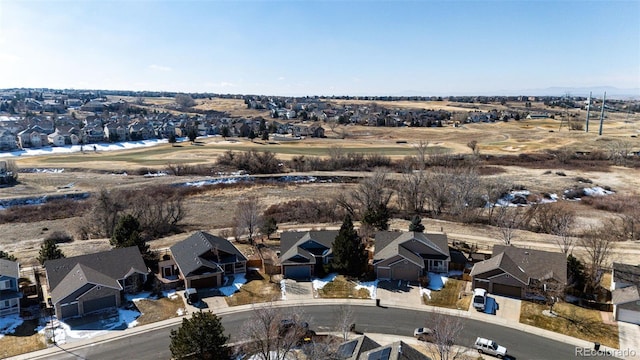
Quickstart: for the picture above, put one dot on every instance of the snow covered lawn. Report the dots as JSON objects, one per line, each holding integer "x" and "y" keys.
{"x": 8, "y": 324}
{"x": 127, "y": 318}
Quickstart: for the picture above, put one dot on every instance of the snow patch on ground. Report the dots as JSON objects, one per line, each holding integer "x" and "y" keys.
{"x": 283, "y": 289}
{"x": 437, "y": 281}
{"x": 320, "y": 283}
{"x": 426, "y": 292}
{"x": 48, "y": 150}
{"x": 238, "y": 281}
{"x": 9, "y": 323}
{"x": 372, "y": 286}
{"x": 596, "y": 191}
{"x": 63, "y": 333}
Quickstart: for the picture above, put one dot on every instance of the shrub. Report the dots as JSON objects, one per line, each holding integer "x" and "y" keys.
{"x": 59, "y": 237}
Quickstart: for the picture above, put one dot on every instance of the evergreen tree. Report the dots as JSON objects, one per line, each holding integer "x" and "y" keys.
{"x": 265, "y": 136}
{"x": 172, "y": 139}
{"x": 269, "y": 226}
{"x": 263, "y": 126}
{"x": 225, "y": 132}
{"x": 49, "y": 251}
{"x": 200, "y": 337}
{"x": 378, "y": 217}
{"x": 416, "y": 224}
{"x": 349, "y": 254}
{"x": 127, "y": 233}
{"x": 7, "y": 256}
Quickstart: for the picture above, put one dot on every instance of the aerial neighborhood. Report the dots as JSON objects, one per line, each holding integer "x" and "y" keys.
{"x": 292, "y": 221}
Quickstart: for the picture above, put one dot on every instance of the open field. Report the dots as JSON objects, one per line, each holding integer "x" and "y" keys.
{"x": 213, "y": 210}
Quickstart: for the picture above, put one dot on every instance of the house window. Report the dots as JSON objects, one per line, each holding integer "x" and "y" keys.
{"x": 5, "y": 284}
{"x": 6, "y": 304}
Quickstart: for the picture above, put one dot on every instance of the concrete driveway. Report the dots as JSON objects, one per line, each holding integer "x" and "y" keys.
{"x": 398, "y": 293}
{"x": 298, "y": 290}
{"x": 499, "y": 307}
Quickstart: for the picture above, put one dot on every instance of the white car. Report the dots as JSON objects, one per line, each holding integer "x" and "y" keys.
{"x": 479, "y": 299}
{"x": 423, "y": 333}
{"x": 486, "y": 346}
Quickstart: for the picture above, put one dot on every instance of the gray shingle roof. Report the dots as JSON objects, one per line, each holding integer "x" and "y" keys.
{"x": 626, "y": 273}
{"x": 502, "y": 262}
{"x": 625, "y": 295}
{"x": 79, "y": 276}
{"x": 290, "y": 242}
{"x": 189, "y": 253}
{"x": 9, "y": 268}
{"x": 538, "y": 264}
{"x": 389, "y": 244}
{"x": 353, "y": 348}
{"x": 115, "y": 264}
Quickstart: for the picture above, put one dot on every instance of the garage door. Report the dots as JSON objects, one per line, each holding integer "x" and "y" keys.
{"x": 207, "y": 282}
{"x": 481, "y": 284}
{"x": 67, "y": 311}
{"x": 99, "y": 304}
{"x": 297, "y": 272}
{"x": 405, "y": 271}
{"x": 629, "y": 316}
{"x": 506, "y": 290}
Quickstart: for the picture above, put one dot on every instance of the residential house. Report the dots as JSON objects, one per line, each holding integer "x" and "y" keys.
{"x": 625, "y": 296}
{"x": 351, "y": 350}
{"x": 398, "y": 350}
{"x": 624, "y": 275}
{"x": 7, "y": 140}
{"x": 626, "y": 304}
{"x": 93, "y": 133}
{"x": 304, "y": 253}
{"x": 33, "y": 136}
{"x": 93, "y": 106}
{"x": 518, "y": 272}
{"x": 204, "y": 259}
{"x": 9, "y": 292}
{"x": 410, "y": 255}
{"x": 56, "y": 139}
{"x": 91, "y": 283}
{"x": 115, "y": 132}
{"x": 140, "y": 130}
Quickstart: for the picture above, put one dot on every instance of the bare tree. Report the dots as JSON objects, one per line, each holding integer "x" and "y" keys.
{"x": 447, "y": 329}
{"x": 491, "y": 192}
{"x": 619, "y": 151}
{"x": 473, "y": 145}
{"x": 345, "y": 321}
{"x": 184, "y": 101}
{"x": 248, "y": 216}
{"x": 411, "y": 191}
{"x": 421, "y": 154}
{"x": 270, "y": 335}
{"x": 597, "y": 244}
{"x": 508, "y": 220}
{"x": 372, "y": 193}
{"x": 556, "y": 219}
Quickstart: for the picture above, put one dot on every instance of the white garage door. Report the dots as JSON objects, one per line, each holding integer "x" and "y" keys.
{"x": 629, "y": 316}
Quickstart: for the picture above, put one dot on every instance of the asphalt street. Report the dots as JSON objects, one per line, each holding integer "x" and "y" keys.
{"x": 155, "y": 344}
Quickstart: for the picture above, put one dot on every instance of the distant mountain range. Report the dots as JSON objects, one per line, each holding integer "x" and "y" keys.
{"x": 597, "y": 91}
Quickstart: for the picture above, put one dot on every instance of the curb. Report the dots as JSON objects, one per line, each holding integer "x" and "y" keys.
{"x": 292, "y": 303}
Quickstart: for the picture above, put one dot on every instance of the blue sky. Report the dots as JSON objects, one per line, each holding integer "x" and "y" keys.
{"x": 320, "y": 48}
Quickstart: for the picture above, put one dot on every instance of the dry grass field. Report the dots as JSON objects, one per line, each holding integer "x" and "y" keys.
{"x": 213, "y": 209}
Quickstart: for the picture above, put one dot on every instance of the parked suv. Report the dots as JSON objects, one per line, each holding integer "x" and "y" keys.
{"x": 486, "y": 346}
{"x": 479, "y": 299}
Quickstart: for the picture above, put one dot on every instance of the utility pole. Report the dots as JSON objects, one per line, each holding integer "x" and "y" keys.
{"x": 602, "y": 113}
{"x": 586, "y": 124}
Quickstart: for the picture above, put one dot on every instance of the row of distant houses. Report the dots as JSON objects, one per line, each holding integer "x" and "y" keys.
{"x": 38, "y": 132}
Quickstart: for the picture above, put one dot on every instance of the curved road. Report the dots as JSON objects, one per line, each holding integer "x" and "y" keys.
{"x": 154, "y": 344}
